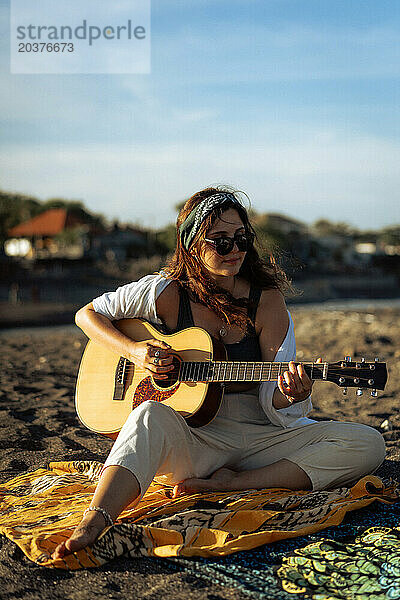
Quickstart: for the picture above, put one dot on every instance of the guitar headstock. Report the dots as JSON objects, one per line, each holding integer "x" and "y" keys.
{"x": 360, "y": 374}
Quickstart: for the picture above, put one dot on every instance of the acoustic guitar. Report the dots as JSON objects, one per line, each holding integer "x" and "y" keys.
{"x": 109, "y": 386}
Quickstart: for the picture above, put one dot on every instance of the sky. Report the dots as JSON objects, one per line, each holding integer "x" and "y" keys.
{"x": 296, "y": 102}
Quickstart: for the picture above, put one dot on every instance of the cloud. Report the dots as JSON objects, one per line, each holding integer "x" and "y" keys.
{"x": 266, "y": 51}
{"x": 354, "y": 180}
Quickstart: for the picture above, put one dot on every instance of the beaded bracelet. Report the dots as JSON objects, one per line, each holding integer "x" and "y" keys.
{"x": 106, "y": 515}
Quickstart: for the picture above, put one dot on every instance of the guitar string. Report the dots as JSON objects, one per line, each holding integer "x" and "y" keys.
{"x": 245, "y": 364}
{"x": 242, "y": 368}
{"x": 277, "y": 365}
{"x": 239, "y": 365}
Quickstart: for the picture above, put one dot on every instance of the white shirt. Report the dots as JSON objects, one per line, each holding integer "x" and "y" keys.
{"x": 138, "y": 299}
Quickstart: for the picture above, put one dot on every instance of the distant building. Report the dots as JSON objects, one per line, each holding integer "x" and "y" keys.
{"x": 119, "y": 243}
{"x": 366, "y": 248}
{"x": 392, "y": 250}
{"x": 41, "y": 237}
{"x": 59, "y": 233}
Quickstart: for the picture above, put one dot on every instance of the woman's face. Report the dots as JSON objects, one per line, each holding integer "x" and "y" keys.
{"x": 226, "y": 226}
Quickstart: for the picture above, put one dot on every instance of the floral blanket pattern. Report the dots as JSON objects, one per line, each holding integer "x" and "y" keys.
{"x": 40, "y": 509}
{"x": 367, "y": 569}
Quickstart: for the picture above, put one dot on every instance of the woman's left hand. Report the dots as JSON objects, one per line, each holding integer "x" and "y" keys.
{"x": 295, "y": 384}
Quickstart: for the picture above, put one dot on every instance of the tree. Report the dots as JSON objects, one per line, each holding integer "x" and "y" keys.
{"x": 323, "y": 227}
{"x": 166, "y": 239}
{"x": 268, "y": 236}
{"x": 15, "y": 209}
{"x": 390, "y": 235}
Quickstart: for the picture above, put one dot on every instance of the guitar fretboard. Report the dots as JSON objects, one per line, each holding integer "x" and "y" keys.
{"x": 222, "y": 371}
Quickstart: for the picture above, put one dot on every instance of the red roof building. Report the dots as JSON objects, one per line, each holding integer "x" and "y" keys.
{"x": 49, "y": 223}
{"x": 37, "y": 238}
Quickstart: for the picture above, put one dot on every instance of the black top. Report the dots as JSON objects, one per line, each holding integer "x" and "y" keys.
{"x": 248, "y": 348}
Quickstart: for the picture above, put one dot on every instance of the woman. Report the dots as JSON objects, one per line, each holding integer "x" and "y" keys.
{"x": 261, "y": 436}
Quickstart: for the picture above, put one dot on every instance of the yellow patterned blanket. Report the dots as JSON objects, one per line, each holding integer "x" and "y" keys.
{"x": 40, "y": 509}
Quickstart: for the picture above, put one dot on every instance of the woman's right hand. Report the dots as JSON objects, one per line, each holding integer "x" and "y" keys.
{"x": 154, "y": 356}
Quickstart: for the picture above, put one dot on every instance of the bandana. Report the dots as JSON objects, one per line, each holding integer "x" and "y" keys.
{"x": 191, "y": 224}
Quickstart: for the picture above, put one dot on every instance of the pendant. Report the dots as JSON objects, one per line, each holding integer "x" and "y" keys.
{"x": 222, "y": 332}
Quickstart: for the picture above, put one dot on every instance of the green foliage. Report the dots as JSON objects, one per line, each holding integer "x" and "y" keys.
{"x": 269, "y": 237}
{"x": 179, "y": 205}
{"x": 390, "y": 235}
{"x": 18, "y": 208}
{"x": 323, "y": 227}
{"x": 166, "y": 239}
{"x": 61, "y": 203}
{"x": 15, "y": 209}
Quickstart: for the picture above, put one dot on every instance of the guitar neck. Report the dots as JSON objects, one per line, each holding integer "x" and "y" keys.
{"x": 232, "y": 371}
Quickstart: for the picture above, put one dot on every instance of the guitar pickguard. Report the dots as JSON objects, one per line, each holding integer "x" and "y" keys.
{"x": 146, "y": 391}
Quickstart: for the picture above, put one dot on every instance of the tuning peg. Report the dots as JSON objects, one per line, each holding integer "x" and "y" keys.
{"x": 374, "y": 393}
{"x": 359, "y": 392}
{"x": 344, "y": 390}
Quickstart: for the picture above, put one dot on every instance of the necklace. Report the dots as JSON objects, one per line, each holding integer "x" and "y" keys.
{"x": 223, "y": 331}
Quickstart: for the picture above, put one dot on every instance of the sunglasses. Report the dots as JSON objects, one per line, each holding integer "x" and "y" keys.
{"x": 223, "y": 245}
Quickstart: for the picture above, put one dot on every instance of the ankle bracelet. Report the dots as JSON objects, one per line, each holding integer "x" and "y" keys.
{"x": 106, "y": 514}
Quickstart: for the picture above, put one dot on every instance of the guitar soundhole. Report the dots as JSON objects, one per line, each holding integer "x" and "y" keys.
{"x": 172, "y": 375}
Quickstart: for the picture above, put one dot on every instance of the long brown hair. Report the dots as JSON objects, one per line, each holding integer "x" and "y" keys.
{"x": 188, "y": 270}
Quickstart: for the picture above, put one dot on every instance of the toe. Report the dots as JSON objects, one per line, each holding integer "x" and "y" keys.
{"x": 83, "y": 536}
{"x": 59, "y": 552}
{"x": 72, "y": 545}
{"x": 178, "y": 490}
{"x": 194, "y": 485}
{"x": 175, "y": 492}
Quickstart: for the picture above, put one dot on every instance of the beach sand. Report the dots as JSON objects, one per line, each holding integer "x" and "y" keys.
{"x": 38, "y": 424}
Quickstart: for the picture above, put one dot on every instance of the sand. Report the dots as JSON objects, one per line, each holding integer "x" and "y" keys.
{"x": 38, "y": 424}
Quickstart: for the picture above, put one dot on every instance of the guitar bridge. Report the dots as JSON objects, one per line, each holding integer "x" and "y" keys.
{"x": 120, "y": 378}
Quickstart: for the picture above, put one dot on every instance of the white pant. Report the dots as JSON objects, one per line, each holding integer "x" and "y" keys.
{"x": 156, "y": 441}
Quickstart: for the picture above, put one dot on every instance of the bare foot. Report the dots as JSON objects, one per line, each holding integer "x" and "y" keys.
{"x": 84, "y": 534}
{"x": 222, "y": 480}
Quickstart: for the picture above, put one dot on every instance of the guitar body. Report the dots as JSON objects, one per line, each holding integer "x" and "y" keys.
{"x": 109, "y": 386}
{"x": 100, "y": 410}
